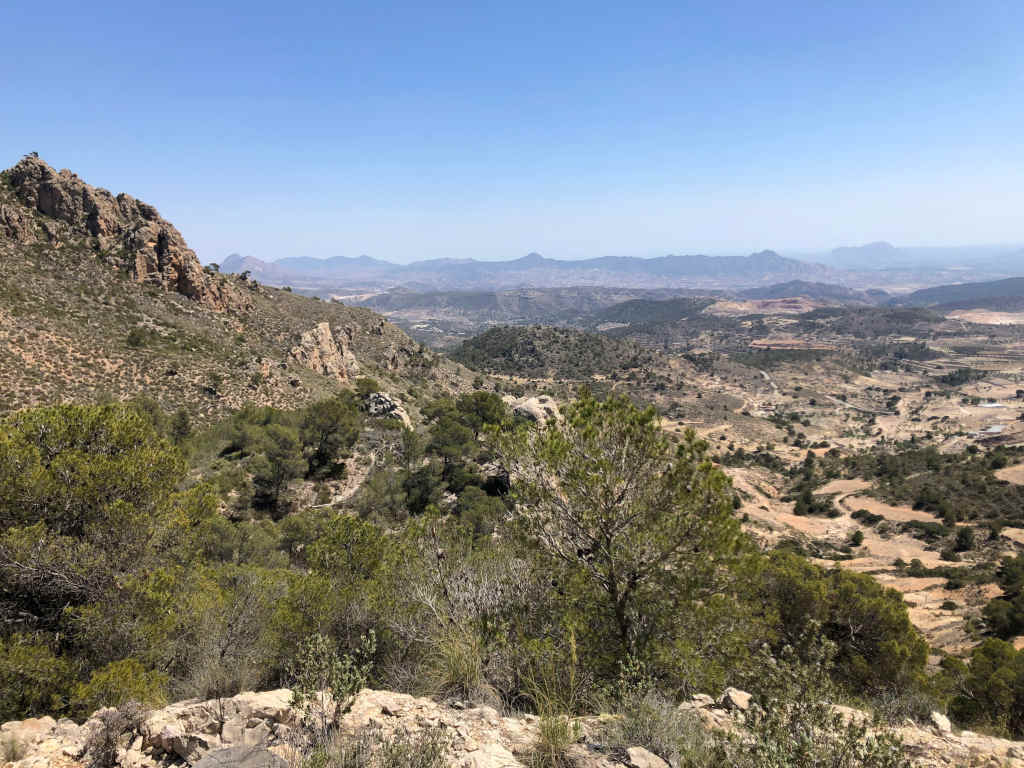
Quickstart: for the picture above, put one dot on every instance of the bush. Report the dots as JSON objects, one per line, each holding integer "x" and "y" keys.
{"x": 425, "y": 749}
{"x": 964, "y": 539}
{"x": 327, "y": 680}
{"x": 794, "y": 725}
{"x": 556, "y": 732}
{"x": 455, "y": 668}
{"x": 32, "y": 678}
{"x": 368, "y": 747}
{"x": 117, "y": 684}
{"x": 991, "y": 688}
{"x": 623, "y": 513}
{"x": 108, "y": 734}
{"x": 875, "y": 645}
{"x": 653, "y": 722}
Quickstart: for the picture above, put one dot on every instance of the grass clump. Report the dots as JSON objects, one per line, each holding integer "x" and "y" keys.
{"x": 651, "y": 721}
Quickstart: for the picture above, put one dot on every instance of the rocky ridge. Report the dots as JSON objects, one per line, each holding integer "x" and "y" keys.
{"x": 127, "y": 230}
{"x": 102, "y": 298}
{"x": 262, "y": 730}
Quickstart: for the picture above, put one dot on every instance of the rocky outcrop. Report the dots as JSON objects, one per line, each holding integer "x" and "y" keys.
{"x": 537, "y": 409}
{"x": 120, "y": 226}
{"x": 383, "y": 405}
{"x": 263, "y": 730}
{"x": 326, "y": 353}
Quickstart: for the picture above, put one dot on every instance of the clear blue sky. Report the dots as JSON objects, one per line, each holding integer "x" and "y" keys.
{"x": 410, "y": 130}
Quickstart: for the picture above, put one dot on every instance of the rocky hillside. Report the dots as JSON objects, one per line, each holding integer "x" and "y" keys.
{"x": 100, "y": 297}
{"x": 266, "y": 730}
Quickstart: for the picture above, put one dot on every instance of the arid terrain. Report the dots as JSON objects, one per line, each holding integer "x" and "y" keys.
{"x": 796, "y": 377}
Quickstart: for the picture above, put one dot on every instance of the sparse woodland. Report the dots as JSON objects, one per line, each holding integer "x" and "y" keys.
{"x": 607, "y": 565}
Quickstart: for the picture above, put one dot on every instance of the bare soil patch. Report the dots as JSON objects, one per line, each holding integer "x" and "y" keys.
{"x": 901, "y": 514}
{"x": 986, "y": 317}
{"x": 1014, "y": 474}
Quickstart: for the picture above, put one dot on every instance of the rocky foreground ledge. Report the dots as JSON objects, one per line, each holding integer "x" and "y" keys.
{"x": 259, "y": 730}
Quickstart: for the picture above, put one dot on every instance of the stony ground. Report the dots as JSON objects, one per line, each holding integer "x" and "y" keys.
{"x": 262, "y": 730}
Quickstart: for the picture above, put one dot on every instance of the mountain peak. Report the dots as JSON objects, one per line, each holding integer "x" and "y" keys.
{"x": 531, "y": 259}
{"x": 118, "y": 227}
{"x": 879, "y": 246}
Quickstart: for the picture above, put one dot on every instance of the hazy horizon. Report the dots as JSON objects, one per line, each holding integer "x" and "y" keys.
{"x": 408, "y": 132}
{"x": 786, "y": 252}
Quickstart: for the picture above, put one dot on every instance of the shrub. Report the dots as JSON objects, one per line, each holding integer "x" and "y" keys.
{"x": 875, "y": 644}
{"x": 794, "y": 725}
{"x": 103, "y": 742}
{"x": 625, "y": 512}
{"x": 556, "y": 732}
{"x": 455, "y": 667}
{"x": 653, "y": 722}
{"x": 32, "y": 678}
{"x": 117, "y": 684}
{"x": 327, "y": 681}
{"x": 136, "y": 337}
{"x": 991, "y": 688}
{"x": 426, "y": 749}
{"x": 964, "y": 539}
{"x": 368, "y": 747}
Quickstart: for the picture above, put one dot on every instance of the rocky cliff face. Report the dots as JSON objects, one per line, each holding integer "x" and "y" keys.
{"x": 327, "y": 353}
{"x": 264, "y": 730}
{"x": 119, "y": 227}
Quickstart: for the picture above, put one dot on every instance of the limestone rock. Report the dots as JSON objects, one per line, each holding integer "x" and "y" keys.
{"x": 254, "y": 730}
{"x": 537, "y": 409}
{"x": 148, "y": 246}
{"x": 381, "y": 404}
{"x": 735, "y": 699}
{"x": 941, "y": 722}
{"x": 322, "y": 351}
{"x": 851, "y": 715}
{"x": 15, "y": 224}
{"x": 641, "y": 758}
{"x": 241, "y": 757}
{"x": 699, "y": 701}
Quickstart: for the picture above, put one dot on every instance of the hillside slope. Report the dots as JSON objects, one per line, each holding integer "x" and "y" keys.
{"x": 996, "y": 294}
{"x": 544, "y": 351}
{"x": 100, "y": 297}
{"x": 820, "y": 291}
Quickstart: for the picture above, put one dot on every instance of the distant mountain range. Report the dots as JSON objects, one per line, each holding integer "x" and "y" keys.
{"x": 874, "y": 265}
{"x": 344, "y": 275}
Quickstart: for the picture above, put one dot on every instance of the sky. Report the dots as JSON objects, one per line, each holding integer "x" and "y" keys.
{"x": 412, "y": 130}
